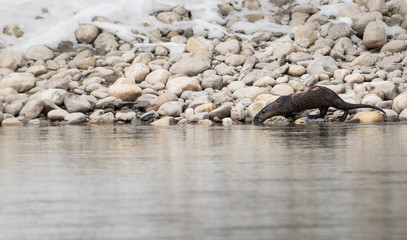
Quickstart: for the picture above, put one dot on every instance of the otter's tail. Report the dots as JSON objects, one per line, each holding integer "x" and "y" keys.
{"x": 353, "y": 106}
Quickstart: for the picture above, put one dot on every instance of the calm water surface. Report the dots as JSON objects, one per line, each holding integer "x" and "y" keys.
{"x": 328, "y": 181}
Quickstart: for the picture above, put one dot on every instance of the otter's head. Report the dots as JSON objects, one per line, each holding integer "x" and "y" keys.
{"x": 271, "y": 110}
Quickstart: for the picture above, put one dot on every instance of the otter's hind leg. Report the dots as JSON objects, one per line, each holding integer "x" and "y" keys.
{"x": 322, "y": 112}
{"x": 345, "y": 114}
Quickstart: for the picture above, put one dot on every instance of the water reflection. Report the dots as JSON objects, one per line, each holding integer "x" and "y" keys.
{"x": 328, "y": 181}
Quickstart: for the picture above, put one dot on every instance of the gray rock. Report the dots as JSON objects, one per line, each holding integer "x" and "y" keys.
{"x": 221, "y": 112}
{"x": 199, "y": 101}
{"x": 238, "y": 113}
{"x": 322, "y": 65}
{"x": 299, "y": 56}
{"x": 126, "y": 116}
{"x": 32, "y": 109}
{"x": 361, "y": 20}
{"x": 57, "y": 114}
{"x": 249, "y": 92}
{"x": 374, "y": 35}
{"x": 233, "y": 86}
{"x": 339, "y": 30}
{"x": 394, "y": 46}
{"x": 39, "y": 52}
{"x": 198, "y": 117}
{"x": 86, "y": 33}
{"x": 229, "y": 47}
{"x": 403, "y": 115}
{"x": 371, "y": 99}
{"x": 105, "y": 42}
{"x": 184, "y": 84}
{"x": 387, "y": 88}
{"x": 305, "y": 36}
{"x": 249, "y": 64}
{"x": 265, "y": 81}
{"x": 168, "y": 17}
{"x": 172, "y": 108}
{"x": 149, "y": 116}
{"x": 223, "y": 69}
{"x": 137, "y": 72}
{"x": 400, "y": 103}
{"x": 214, "y": 82}
{"x": 14, "y": 108}
{"x": 235, "y": 60}
{"x": 191, "y": 64}
{"x": 282, "y": 90}
{"x": 11, "y": 59}
{"x": 253, "y": 76}
{"x": 365, "y": 59}
{"x": 75, "y": 118}
{"x": 57, "y": 96}
{"x": 100, "y": 117}
{"x": 20, "y": 82}
{"x": 158, "y": 76}
{"x": 76, "y": 103}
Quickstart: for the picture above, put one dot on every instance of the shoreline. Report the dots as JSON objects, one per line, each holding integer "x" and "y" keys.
{"x": 186, "y": 77}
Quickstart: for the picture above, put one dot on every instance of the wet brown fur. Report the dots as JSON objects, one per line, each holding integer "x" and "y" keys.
{"x": 309, "y": 98}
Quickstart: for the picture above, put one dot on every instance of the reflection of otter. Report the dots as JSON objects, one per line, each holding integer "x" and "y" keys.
{"x": 312, "y": 97}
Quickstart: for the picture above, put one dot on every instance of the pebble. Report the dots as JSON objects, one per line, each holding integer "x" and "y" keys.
{"x": 374, "y": 35}
{"x": 194, "y": 45}
{"x": 32, "y": 109}
{"x": 164, "y": 121}
{"x": 403, "y": 115}
{"x": 76, "y": 103}
{"x": 354, "y": 78}
{"x": 57, "y": 114}
{"x": 11, "y": 59}
{"x": 75, "y": 118}
{"x": 39, "y": 52}
{"x": 400, "y": 103}
{"x": 86, "y": 33}
{"x": 229, "y": 47}
{"x": 125, "y": 92}
{"x": 13, "y": 122}
{"x": 184, "y": 66}
{"x": 171, "y": 108}
{"x": 21, "y": 82}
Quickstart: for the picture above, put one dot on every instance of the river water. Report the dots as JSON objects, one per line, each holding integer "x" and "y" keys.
{"x": 321, "y": 181}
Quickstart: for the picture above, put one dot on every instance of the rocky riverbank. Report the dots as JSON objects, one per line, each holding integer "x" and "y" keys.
{"x": 183, "y": 77}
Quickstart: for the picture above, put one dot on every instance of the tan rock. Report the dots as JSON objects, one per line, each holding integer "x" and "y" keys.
{"x": 11, "y": 59}
{"x": 305, "y": 36}
{"x": 86, "y": 33}
{"x": 195, "y": 46}
{"x": 164, "y": 121}
{"x": 57, "y": 114}
{"x": 355, "y": 78}
{"x": 206, "y": 107}
{"x": 368, "y": 117}
{"x": 160, "y": 100}
{"x": 20, "y": 82}
{"x": 266, "y": 97}
{"x": 374, "y": 35}
{"x": 12, "y": 122}
{"x": 125, "y": 92}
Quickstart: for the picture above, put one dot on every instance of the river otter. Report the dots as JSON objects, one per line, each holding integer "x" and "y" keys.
{"x": 309, "y": 98}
